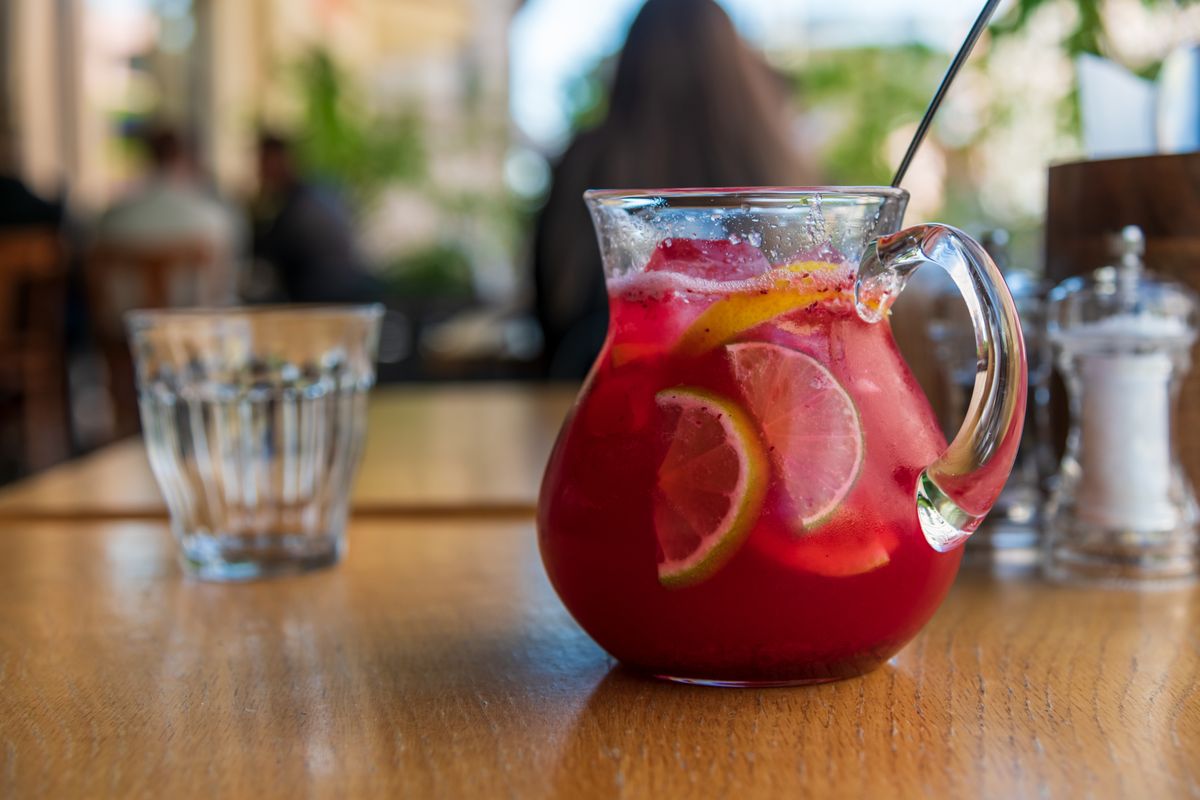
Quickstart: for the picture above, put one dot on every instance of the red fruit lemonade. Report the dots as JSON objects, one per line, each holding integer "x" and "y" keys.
{"x": 732, "y": 498}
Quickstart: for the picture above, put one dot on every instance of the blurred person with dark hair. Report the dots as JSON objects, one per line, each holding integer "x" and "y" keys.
{"x": 172, "y": 205}
{"x": 692, "y": 105}
{"x": 306, "y": 234}
{"x": 20, "y": 206}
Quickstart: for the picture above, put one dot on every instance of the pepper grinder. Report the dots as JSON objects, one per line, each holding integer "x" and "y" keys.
{"x": 1123, "y": 511}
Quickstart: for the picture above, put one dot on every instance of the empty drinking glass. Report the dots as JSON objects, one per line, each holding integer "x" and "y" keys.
{"x": 254, "y": 420}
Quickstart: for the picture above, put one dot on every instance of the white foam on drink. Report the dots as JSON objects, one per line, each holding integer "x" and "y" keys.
{"x": 661, "y": 282}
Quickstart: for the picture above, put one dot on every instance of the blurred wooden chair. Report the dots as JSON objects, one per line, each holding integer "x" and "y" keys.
{"x": 124, "y": 276}
{"x": 33, "y": 302}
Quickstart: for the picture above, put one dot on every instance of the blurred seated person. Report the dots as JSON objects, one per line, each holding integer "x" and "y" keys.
{"x": 692, "y": 105}
{"x": 306, "y": 235}
{"x": 33, "y": 306}
{"x": 23, "y": 212}
{"x": 20, "y": 206}
{"x": 170, "y": 207}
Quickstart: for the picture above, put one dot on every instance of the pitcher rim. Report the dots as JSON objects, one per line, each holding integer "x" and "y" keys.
{"x": 762, "y": 194}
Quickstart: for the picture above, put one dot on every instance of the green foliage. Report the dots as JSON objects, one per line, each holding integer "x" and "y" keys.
{"x": 870, "y": 92}
{"x": 587, "y": 96}
{"x": 365, "y": 152}
{"x": 862, "y": 95}
{"x": 343, "y": 142}
{"x": 439, "y": 270}
{"x": 1085, "y": 38}
{"x": 1089, "y": 34}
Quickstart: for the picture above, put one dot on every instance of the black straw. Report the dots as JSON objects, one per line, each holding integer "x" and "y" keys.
{"x": 964, "y": 53}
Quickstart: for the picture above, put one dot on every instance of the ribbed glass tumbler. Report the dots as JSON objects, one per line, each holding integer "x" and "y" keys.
{"x": 254, "y": 420}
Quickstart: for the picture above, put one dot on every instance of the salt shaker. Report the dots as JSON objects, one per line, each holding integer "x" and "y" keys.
{"x": 1123, "y": 511}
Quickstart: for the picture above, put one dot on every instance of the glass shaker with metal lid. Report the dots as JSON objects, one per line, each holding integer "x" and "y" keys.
{"x": 1123, "y": 510}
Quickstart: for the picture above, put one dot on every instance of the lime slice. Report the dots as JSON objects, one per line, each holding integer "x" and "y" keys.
{"x": 785, "y": 289}
{"x": 710, "y": 485}
{"x": 808, "y": 421}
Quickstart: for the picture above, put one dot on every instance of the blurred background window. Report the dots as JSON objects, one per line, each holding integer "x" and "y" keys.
{"x": 419, "y": 139}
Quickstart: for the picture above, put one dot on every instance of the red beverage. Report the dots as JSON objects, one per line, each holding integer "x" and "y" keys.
{"x": 732, "y": 499}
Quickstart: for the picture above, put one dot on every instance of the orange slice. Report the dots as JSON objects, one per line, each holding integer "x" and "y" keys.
{"x": 782, "y": 291}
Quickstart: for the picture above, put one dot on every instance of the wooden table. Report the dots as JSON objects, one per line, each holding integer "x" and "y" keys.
{"x": 436, "y": 662}
{"x": 467, "y": 449}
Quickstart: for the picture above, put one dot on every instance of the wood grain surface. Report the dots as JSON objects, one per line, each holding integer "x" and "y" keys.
{"x": 465, "y": 449}
{"x": 436, "y": 662}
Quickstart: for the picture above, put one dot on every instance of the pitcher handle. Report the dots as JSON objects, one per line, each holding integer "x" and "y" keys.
{"x": 956, "y": 491}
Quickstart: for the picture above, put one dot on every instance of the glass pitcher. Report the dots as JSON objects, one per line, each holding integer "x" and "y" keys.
{"x": 752, "y": 488}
